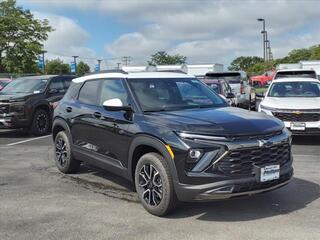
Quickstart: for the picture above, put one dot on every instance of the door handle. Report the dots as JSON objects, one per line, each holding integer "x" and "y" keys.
{"x": 97, "y": 114}
{"x": 69, "y": 109}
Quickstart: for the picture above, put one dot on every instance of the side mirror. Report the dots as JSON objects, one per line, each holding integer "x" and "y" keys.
{"x": 230, "y": 95}
{"x": 260, "y": 95}
{"x": 115, "y": 104}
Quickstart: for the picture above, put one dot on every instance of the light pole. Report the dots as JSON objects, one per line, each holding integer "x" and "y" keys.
{"x": 264, "y": 36}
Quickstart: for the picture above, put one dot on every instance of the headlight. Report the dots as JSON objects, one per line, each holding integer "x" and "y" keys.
{"x": 17, "y": 100}
{"x": 192, "y": 136}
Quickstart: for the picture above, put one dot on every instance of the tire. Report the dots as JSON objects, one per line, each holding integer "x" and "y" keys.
{"x": 40, "y": 123}
{"x": 154, "y": 184}
{"x": 64, "y": 160}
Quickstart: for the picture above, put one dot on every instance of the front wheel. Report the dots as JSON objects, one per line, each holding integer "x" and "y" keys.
{"x": 65, "y": 162}
{"x": 40, "y": 123}
{"x": 154, "y": 184}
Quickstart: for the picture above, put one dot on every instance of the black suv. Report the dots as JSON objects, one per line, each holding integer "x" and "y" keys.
{"x": 172, "y": 136}
{"x": 27, "y": 102}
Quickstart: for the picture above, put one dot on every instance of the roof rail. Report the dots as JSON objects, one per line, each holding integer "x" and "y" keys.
{"x": 107, "y": 71}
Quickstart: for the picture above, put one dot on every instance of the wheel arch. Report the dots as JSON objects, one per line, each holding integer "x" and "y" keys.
{"x": 143, "y": 144}
{"x": 58, "y": 125}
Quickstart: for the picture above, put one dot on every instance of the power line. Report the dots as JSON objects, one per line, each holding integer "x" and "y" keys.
{"x": 126, "y": 60}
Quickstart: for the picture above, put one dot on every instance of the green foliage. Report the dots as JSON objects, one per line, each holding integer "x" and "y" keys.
{"x": 247, "y": 63}
{"x": 244, "y": 63}
{"x": 163, "y": 58}
{"x": 82, "y": 68}
{"x": 56, "y": 66}
{"x": 21, "y": 38}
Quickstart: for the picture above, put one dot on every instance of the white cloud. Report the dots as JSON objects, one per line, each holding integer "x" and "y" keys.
{"x": 204, "y": 30}
{"x": 67, "y": 39}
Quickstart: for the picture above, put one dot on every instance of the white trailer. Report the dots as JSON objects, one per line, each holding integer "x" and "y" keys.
{"x": 311, "y": 65}
{"x": 283, "y": 66}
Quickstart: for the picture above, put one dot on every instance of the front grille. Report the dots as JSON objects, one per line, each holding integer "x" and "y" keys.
{"x": 297, "y": 117}
{"x": 4, "y": 108}
{"x": 241, "y": 162}
{"x": 255, "y": 137}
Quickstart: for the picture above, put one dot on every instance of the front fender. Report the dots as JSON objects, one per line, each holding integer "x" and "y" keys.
{"x": 157, "y": 144}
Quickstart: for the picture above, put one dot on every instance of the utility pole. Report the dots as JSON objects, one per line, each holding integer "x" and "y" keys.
{"x": 118, "y": 67}
{"x": 126, "y": 60}
{"x": 99, "y": 64}
{"x": 264, "y": 36}
{"x": 75, "y": 63}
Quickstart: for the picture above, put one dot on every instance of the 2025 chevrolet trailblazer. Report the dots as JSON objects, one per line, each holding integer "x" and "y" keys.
{"x": 172, "y": 136}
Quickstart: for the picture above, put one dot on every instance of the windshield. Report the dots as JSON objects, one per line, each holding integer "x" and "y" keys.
{"x": 174, "y": 94}
{"x": 3, "y": 83}
{"x": 296, "y": 74}
{"x": 295, "y": 89}
{"x": 25, "y": 85}
{"x": 230, "y": 78}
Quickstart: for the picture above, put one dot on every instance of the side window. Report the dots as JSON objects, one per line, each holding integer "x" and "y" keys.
{"x": 57, "y": 84}
{"x": 113, "y": 89}
{"x": 89, "y": 92}
{"x": 67, "y": 82}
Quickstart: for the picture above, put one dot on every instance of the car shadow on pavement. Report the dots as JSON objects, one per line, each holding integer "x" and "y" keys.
{"x": 295, "y": 196}
{"x": 16, "y": 133}
{"x": 108, "y": 179}
{"x": 306, "y": 140}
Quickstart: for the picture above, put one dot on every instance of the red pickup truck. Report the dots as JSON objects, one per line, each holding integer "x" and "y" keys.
{"x": 262, "y": 80}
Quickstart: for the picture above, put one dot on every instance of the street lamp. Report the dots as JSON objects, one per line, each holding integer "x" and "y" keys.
{"x": 264, "y": 37}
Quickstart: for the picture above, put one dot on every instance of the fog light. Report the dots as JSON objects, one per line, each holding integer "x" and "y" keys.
{"x": 194, "y": 155}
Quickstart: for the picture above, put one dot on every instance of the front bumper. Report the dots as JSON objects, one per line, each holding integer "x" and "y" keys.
{"x": 312, "y": 128}
{"x": 231, "y": 188}
{"x": 231, "y": 172}
{"x": 13, "y": 122}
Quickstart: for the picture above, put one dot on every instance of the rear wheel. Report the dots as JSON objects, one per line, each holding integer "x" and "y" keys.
{"x": 154, "y": 184}
{"x": 40, "y": 123}
{"x": 63, "y": 154}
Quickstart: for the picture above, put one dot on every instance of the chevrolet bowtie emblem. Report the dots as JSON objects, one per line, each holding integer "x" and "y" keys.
{"x": 264, "y": 143}
{"x": 297, "y": 112}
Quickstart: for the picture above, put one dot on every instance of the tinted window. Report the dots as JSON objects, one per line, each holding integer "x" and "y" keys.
{"x": 26, "y": 85}
{"x": 230, "y": 78}
{"x": 296, "y": 74}
{"x": 295, "y": 89}
{"x": 89, "y": 92}
{"x": 174, "y": 94}
{"x": 72, "y": 92}
{"x": 67, "y": 81}
{"x": 113, "y": 89}
{"x": 57, "y": 83}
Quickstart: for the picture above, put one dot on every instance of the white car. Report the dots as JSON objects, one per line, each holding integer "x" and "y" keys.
{"x": 295, "y": 101}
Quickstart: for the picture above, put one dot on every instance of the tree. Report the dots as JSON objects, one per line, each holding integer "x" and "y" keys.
{"x": 82, "y": 68}
{"x": 244, "y": 63}
{"x": 21, "y": 38}
{"x": 163, "y": 58}
{"x": 56, "y": 66}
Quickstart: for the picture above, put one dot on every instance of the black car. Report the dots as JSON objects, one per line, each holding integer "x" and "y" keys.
{"x": 172, "y": 136}
{"x": 26, "y": 102}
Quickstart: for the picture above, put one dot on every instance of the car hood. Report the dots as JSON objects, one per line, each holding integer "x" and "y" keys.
{"x": 292, "y": 103}
{"x": 219, "y": 121}
{"x": 5, "y": 97}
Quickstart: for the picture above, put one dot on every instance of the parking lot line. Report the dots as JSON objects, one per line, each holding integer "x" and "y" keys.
{"x": 28, "y": 140}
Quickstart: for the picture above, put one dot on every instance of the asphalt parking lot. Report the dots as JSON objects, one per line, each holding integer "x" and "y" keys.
{"x": 38, "y": 202}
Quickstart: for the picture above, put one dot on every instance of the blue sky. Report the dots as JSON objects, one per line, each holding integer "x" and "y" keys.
{"x": 205, "y": 31}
